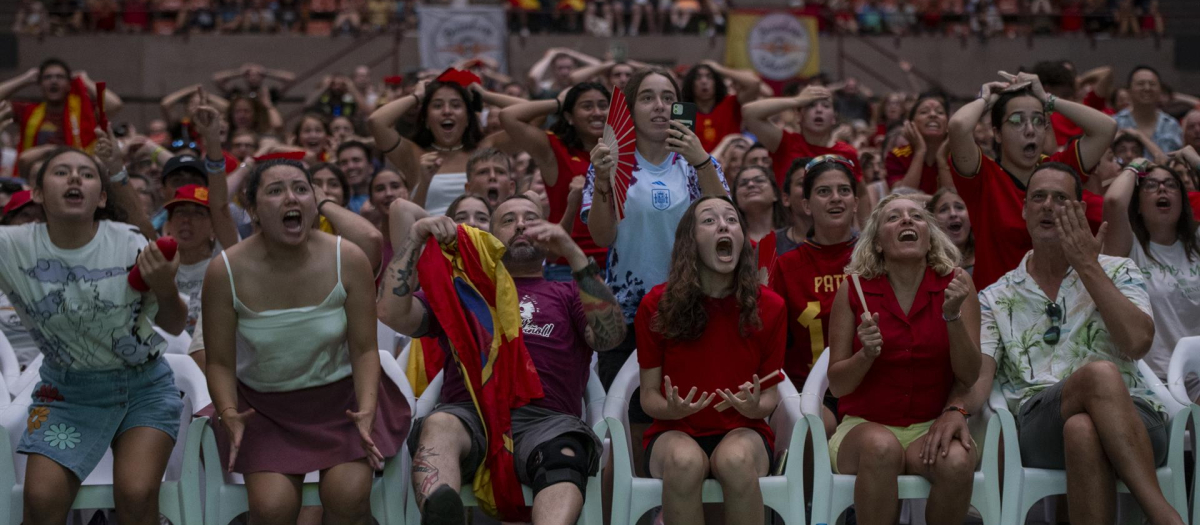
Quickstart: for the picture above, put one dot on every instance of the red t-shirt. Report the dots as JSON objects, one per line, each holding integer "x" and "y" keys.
{"x": 1194, "y": 198}
{"x": 1064, "y": 129}
{"x": 1096, "y": 102}
{"x": 571, "y": 163}
{"x": 719, "y": 358}
{"x": 911, "y": 379}
{"x": 765, "y": 249}
{"x": 793, "y": 146}
{"x": 724, "y": 119}
{"x": 994, "y": 200}
{"x": 807, "y": 279}
{"x": 897, "y": 163}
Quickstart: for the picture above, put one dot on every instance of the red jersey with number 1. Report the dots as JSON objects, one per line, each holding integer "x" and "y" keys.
{"x": 571, "y": 163}
{"x": 808, "y": 279}
{"x": 792, "y": 146}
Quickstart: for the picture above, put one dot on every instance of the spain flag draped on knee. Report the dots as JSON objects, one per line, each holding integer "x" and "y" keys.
{"x": 475, "y": 301}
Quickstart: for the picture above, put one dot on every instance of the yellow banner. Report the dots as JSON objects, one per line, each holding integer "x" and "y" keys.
{"x": 779, "y": 45}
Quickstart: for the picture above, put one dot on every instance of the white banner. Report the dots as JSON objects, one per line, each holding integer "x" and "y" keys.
{"x": 450, "y": 34}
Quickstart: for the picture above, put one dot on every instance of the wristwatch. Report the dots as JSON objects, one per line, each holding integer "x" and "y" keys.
{"x": 591, "y": 270}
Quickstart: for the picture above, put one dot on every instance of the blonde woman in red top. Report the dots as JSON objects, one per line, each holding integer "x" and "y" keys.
{"x": 900, "y": 364}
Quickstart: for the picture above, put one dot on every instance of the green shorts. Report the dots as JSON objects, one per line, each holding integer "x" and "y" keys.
{"x": 906, "y": 435}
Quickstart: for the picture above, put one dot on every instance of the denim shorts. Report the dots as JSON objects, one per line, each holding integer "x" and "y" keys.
{"x": 76, "y": 414}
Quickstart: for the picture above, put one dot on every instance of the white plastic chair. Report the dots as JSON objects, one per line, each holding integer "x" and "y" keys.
{"x": 1185, "y": 360}
{"x": 10, "y": 369}
{"x": 834, "y": 493}
{"x": 176, "y": 344}
{"x": 634, "y": 496}
{"x": 179, "y": 494}
{"x": 592, "y": 513}
{"x": 32, "y": 374}
{"x": 1024, "y": 487}
{"x": 226, "y": 495}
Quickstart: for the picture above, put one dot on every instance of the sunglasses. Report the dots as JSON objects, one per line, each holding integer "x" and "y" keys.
{"x": 1052, "y": 335}
{"x": 822, "y": 159}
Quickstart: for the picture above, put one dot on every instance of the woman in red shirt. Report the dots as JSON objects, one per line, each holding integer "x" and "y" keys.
{"x": 562, "y": 153}
{"x": 758, "y": 198}
{"x": 707, "y": 331}
{"x": 718, "y": 113}
{"x": 913, "y": 358}
{"x": 915, "y": 165}
{"x": 807, "y": 278}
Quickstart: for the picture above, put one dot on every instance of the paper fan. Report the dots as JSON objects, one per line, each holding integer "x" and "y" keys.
{"x": 621, "y": 141}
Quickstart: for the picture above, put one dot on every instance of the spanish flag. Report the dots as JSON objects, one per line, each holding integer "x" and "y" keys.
{"x": 475, "y": 301}
{"x": 78, "y": 125}
{"x": 425, "y": 361}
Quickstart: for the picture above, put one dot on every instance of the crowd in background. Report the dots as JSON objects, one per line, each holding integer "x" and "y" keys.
{"x": 984, "y": 18}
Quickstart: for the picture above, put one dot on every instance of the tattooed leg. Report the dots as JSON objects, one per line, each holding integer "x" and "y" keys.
{"x": 444, "y": 444}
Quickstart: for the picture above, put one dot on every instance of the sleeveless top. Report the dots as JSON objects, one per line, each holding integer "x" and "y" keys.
{"x": 293, "y": 348}
{"x": 443, "y": 189}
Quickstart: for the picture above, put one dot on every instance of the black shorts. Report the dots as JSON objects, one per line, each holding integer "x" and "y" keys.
{"x": 708, "y": 444}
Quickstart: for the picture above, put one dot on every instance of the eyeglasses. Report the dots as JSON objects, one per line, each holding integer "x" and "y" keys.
{"x": 1054, "y": 312}
{"x": 822, "y": 159}
{"x": 1152, "y": 185}
{"x": 745, "y": 182}
{"x": 1018, "y": 120}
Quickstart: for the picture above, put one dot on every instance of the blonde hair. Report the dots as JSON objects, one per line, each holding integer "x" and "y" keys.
{"x": 868, "y": 262}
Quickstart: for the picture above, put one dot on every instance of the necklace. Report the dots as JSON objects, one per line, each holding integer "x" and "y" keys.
{"x": 446, "y": 150}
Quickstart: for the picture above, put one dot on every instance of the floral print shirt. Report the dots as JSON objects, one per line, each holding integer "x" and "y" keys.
{"x": 1015, "y": 319}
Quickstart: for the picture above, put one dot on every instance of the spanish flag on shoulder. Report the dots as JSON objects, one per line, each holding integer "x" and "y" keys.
{"x": 78, "y": 125}
{"x": 475, "y": 301}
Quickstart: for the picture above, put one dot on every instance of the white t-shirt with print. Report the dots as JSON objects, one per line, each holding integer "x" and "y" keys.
{"x": 1014, "y": 321}
{"x": 78, "y": 305}
{"x": 640, "y": 257}
{"x": 1174, "y": 286}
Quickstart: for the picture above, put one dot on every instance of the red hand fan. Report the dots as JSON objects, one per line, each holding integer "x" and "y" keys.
{"x": 168, "y": 247}
{"x": 621, "y": 140}
{"x": 102, "y": 118}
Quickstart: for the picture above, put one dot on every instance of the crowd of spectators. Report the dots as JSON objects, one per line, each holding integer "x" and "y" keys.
{"x": 984, "y": 18}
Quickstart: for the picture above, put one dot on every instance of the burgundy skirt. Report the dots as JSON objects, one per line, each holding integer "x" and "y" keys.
{"x": 307, "y": 430}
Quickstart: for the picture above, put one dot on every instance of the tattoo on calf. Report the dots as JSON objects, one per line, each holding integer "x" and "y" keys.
{"x": 422, "y": 465}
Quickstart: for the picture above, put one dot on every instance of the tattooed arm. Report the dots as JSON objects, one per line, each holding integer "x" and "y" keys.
{"x": 605, "y": 322}
{"x": 397, "y": 307}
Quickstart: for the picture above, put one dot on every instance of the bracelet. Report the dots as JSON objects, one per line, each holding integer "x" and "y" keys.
{"x": 960, "y": 410}
{"x": 559, "y": 102}
{"x": 1050, "y": 100}
{"x": 322, "y": 203}
{"x": 219, "y": 414}
{"x": 120, "y": 177}
{"x": 956, "y": 317}
{"x": 214, "y": 166}
{"x": 591, "y": 270}
{"x": 703, "y": 164}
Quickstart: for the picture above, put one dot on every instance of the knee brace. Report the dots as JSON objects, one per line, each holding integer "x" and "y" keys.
{"x": 549, "y": 465}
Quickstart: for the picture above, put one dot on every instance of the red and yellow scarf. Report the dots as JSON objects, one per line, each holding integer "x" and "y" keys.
{"x": 78, "y": 126}
{"x": 475, "y": 302}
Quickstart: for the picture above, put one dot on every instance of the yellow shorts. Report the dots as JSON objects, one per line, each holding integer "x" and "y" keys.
{"x": 906, "y": 435}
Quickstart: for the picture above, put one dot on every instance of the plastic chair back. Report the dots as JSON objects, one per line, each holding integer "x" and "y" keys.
{"x": 812, "y": 397}
{"x": 176, "y": 344}
{"x": 1185, "y": 360}
{"x": 1160, "y": 389}
{"x": 10, "y": 368}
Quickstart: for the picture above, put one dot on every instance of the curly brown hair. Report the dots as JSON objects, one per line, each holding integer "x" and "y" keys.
{"x": 681, "y": 311}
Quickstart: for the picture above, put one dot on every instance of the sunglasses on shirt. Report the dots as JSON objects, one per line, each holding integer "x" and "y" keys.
{"x": 1052, "y": 335}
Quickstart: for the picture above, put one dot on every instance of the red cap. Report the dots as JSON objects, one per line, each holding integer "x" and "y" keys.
{"x": 18, "y": 201}
{"x": 192, "y": 193}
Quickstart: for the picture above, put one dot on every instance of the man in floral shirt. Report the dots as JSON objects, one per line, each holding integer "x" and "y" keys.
{"x": 1063, "y": 331}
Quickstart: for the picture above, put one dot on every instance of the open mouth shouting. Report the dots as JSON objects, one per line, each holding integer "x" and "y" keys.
{"x": 73, "y": 197}
{"x": 293, "y": 220}
{"x": 725, "y": 249}
{"x": 908, "y": 235}
{"x": 1163, "y": 203}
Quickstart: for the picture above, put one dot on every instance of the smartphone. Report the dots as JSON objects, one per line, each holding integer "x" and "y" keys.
{"x": 684, "y": 112}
